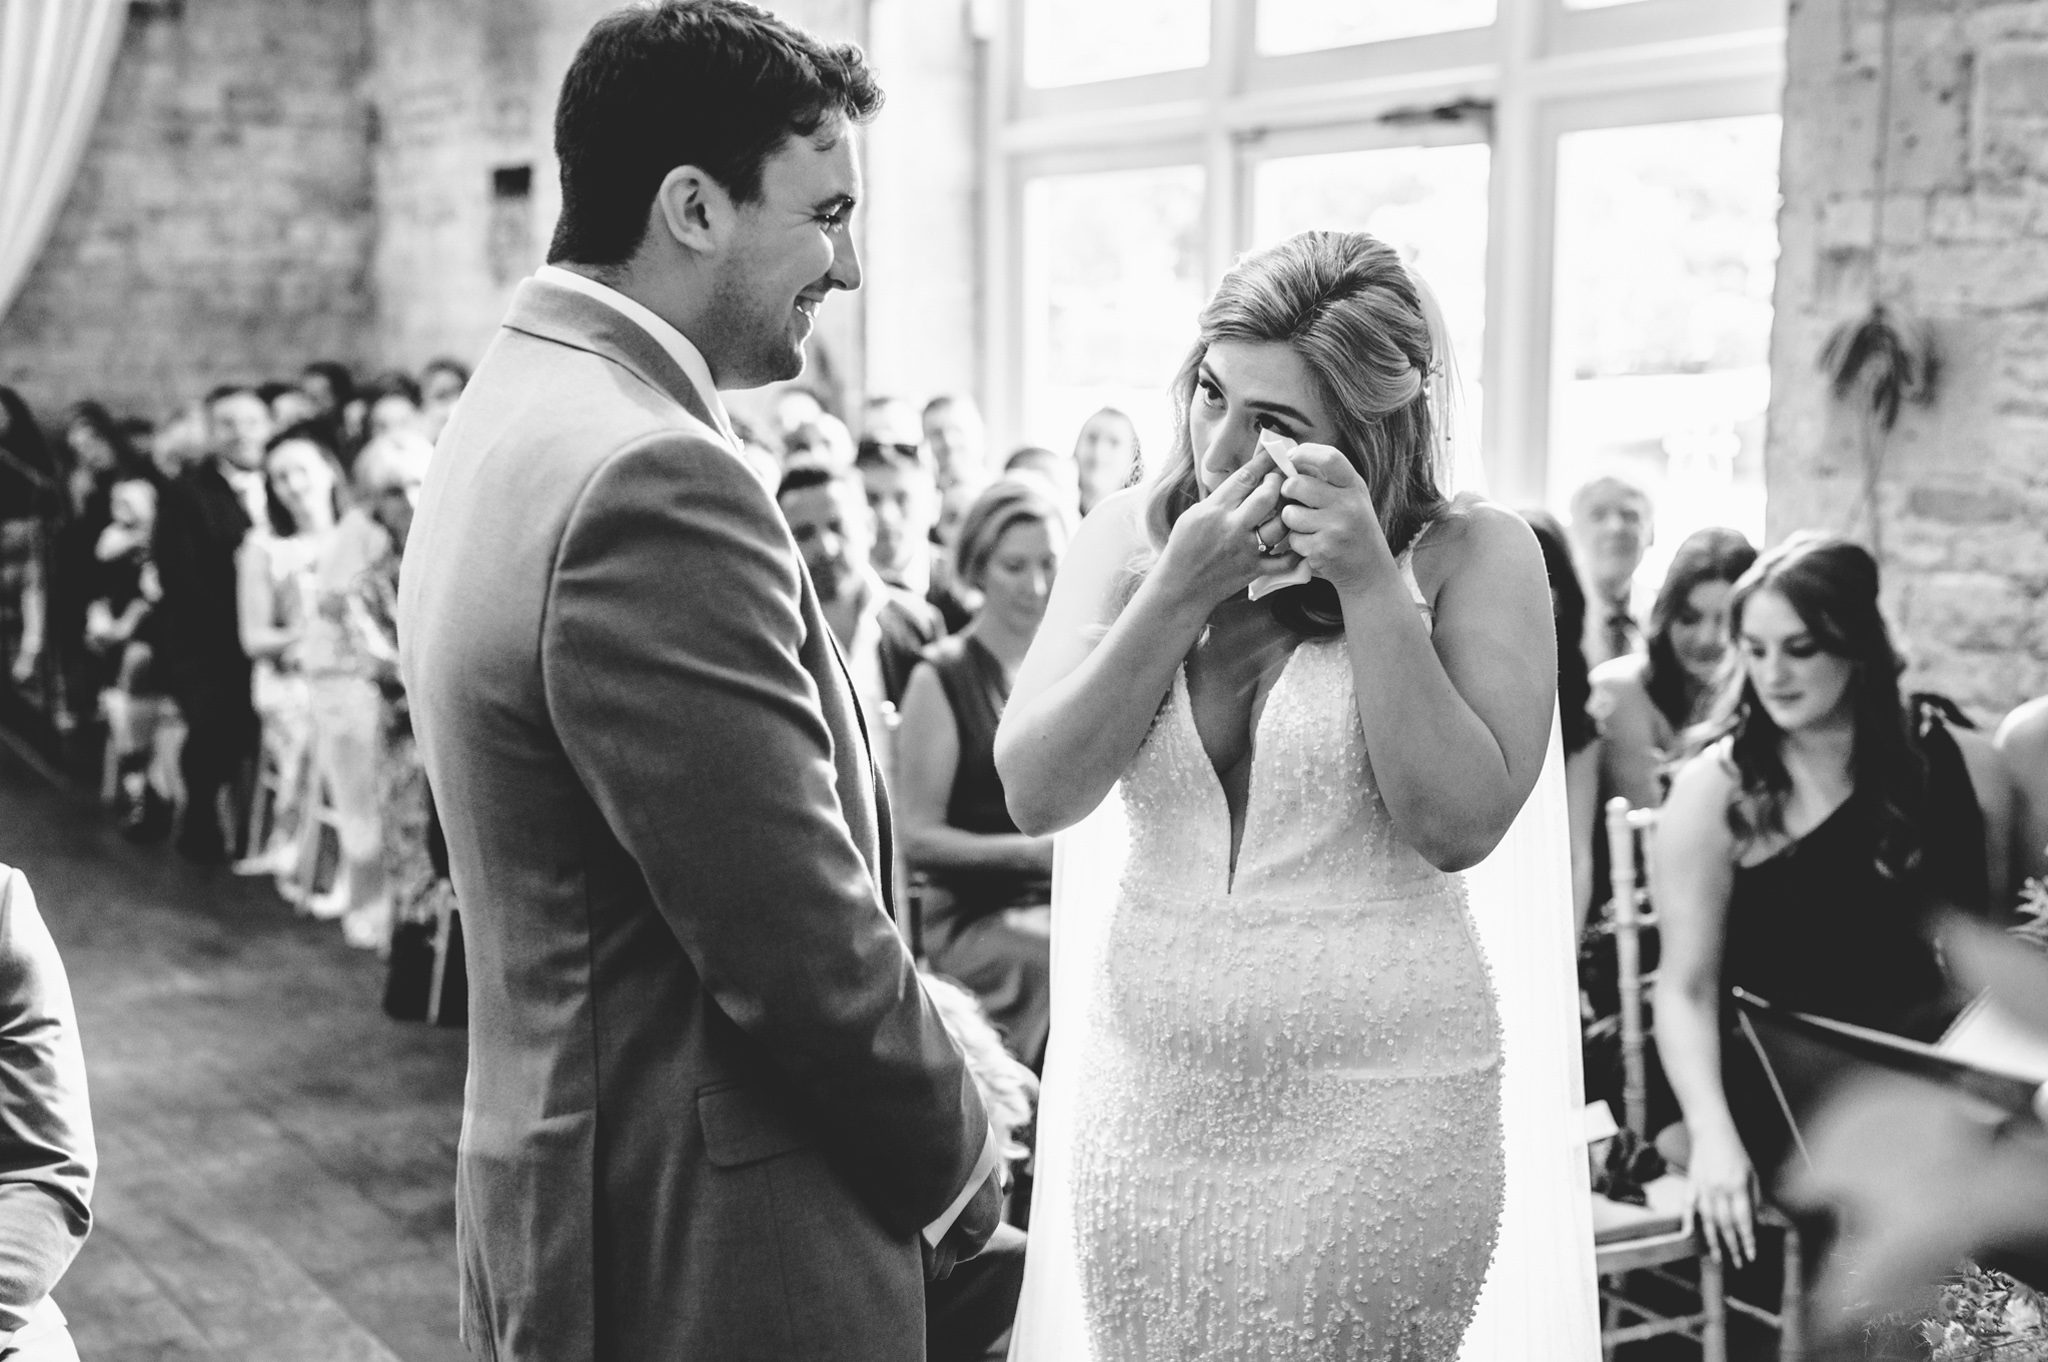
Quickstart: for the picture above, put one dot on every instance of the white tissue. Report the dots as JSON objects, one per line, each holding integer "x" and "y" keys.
{"x": 1282, "y": 450}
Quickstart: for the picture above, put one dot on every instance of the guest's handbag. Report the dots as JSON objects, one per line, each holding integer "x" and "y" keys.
{"x": 426, "y": 979}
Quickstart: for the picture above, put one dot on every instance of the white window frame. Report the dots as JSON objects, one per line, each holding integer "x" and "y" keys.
{"x": 1546, "y": 70}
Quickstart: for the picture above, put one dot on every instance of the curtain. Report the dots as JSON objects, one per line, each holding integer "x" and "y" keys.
{"x": 55, "y": 56}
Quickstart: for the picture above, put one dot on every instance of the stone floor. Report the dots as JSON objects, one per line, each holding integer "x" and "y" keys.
{"x": 276, "y": 1156}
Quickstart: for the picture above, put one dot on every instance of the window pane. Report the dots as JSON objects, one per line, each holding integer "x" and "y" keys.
{"x": 1428, "y": 203}
{"x": 1667, "y": 244}
{"x": 1312, "y": 25}
{"x": 1112, "y": 283}
{"x": 1072, "y": 42}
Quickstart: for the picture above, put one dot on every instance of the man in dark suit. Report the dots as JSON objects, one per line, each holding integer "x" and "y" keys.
{"x": 710, "y": 1111}
{"x": 202, "y": 517}
{"x": 882, "y": 629}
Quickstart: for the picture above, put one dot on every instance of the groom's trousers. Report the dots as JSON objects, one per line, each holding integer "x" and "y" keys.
{"x": 969, "y": 1312}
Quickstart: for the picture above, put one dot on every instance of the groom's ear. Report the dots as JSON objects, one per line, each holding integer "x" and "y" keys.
{"x": 694, "y": 209}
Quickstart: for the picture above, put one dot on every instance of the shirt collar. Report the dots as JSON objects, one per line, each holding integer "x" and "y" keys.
{"x": 687, "y": 357}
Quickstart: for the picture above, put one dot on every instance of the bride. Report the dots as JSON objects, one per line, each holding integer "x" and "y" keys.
{"x": 1290, "y": 706}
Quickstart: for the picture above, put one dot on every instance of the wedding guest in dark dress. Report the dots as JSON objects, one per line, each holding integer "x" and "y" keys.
{"x": 1803, "y": 856}
{"x": 987, "y": 913}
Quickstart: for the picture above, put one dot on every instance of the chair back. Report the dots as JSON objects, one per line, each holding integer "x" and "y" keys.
{"x": 908, "y": 886}
{"x": 1631, "y": 839}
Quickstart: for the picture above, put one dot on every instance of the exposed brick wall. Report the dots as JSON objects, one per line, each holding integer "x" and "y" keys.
{"x": 221, "y": 222}
{"x": 456, "y": 89}
{"x": 1963, "y": 494}
{"x": 274, "y": 181}
{"x": 466, "y": 87}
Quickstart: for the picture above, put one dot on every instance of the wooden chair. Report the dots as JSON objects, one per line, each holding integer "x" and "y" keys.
{"x": 909, "y": 884}
{"x": 269, "y": 790}
{"x": 1645, "y": 1240}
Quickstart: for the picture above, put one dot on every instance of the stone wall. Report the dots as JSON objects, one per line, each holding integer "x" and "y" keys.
{"x": 221, "y": 222}
{"x": 274, "y": 181}
{"x": 1962, "y": 490}
{"x": 464, "y": 92}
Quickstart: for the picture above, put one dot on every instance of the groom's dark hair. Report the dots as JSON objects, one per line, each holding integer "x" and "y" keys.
{"x": 718, "y": 84}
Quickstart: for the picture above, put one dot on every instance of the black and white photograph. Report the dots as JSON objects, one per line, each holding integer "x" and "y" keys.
{"x": 1024, "y": 680}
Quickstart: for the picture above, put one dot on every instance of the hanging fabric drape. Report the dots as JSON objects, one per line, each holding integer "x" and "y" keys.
{"x": 55, "y": 57}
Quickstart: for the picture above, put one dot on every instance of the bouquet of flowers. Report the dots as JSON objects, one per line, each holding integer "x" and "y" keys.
{"x": 1986, "y": 1316}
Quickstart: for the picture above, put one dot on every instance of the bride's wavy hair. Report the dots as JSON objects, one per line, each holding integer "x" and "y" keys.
{"x": 1362, "y": 324}
{"x": 1831, "y": 583}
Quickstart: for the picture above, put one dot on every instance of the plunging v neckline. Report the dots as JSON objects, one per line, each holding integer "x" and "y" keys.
{"x": 1235, "y": 829}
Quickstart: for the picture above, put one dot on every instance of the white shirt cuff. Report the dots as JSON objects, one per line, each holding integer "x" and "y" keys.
{"x": 936, "y": 1231}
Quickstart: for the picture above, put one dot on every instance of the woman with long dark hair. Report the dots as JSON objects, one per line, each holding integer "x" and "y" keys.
{"x": 1803, "y": 853}
{"x": 1291, "y": 991}
{"x": 1647, "y": 700}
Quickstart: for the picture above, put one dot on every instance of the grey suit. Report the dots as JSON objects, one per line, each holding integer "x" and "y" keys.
{"x": 709, "y": 1108}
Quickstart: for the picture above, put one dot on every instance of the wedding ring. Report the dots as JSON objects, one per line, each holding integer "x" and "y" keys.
{"x": 1265, "y": 550}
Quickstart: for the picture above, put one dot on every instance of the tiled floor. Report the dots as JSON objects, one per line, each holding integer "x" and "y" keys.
{"x": 276, "y": 1156}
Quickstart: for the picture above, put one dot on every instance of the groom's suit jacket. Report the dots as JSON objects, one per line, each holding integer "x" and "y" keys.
{"x": 709, "y": 1108}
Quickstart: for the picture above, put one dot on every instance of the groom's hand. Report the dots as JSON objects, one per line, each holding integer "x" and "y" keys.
{"x": 970, "y": 1231}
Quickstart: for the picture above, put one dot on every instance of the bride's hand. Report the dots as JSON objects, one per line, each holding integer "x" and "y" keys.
{"x": 1213, "y": 552}
{"x": 1724, "y": 1197}
{"x": 1331, "y": 520}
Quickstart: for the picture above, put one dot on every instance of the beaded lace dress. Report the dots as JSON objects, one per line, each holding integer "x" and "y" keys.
{"x": 1272, "y": 1128}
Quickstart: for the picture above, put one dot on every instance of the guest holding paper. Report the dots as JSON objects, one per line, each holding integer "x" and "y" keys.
{"x": 1804, "y": 852}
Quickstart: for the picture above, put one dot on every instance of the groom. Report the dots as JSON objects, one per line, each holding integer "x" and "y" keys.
{"x": 710, "y": 1113}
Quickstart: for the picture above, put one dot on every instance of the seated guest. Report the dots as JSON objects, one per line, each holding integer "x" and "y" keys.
{"x": 904, "y": 497}
{"x": 388, "y": 479}
{"x": 289, "y": 404}
{"x": 1581, "y": 751}
{"x": 987, "y": 917}
{"x": 47, "y": 1156}
{"x": 273, "y": 574}
{"x": 2022, "y": 743}
{"x": 882, "y": 629}
{"x": 331, "y": 387}
{"x": 823, "y": 438}
{"x": 793, "y": 405}
{"x": 344, "y": 669}
{"x": 202, "y": 517}
{"x": 954, "y": 434}
{"x": 1647, "y": 700}
{"x": 1106, "y": 453}
{"x": 1802, "y": 855}
{"x": 28, "y": 497}
{"x": 118, "y": 629}
{"x": 94, "y": 454}
{"x": 890, "y": 421}
{"x": 1054, "y": 470}
{"x": 391, "y": 401}
{"x": 441, "y": 383}
{"x": 1611, "y": 528}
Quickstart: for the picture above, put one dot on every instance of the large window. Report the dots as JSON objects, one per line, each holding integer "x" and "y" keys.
{"x": 1667, "y": 241}
{"x": 1589, "y": 187}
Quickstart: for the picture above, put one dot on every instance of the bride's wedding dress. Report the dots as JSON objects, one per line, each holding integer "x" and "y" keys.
{"x": 1273, "y": 1123}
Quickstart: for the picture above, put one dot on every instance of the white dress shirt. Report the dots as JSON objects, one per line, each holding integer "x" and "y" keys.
{"x": 691, "y": 361}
